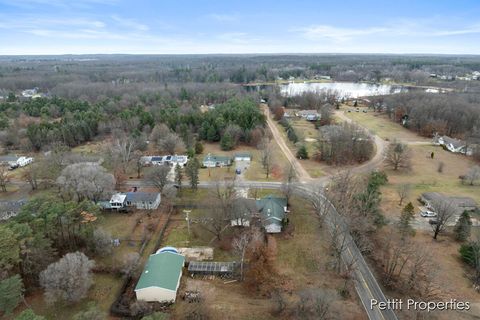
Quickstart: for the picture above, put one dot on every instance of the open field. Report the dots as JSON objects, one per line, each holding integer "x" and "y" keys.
{"x": 379, "y": 124}
{"x": 304, "y": 129}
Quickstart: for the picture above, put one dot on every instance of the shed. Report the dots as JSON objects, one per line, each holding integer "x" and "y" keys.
{"x": 160, "y": 278}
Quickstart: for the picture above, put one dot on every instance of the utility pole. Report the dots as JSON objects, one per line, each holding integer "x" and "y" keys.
{"x": 187, "y": 218}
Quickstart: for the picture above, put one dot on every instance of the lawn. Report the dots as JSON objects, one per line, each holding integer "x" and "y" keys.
{"x": 380, "y": 124}
{"x": 304, "y": 129}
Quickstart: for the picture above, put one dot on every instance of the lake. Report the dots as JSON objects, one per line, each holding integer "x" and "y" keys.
{"x": 345, "y": 89}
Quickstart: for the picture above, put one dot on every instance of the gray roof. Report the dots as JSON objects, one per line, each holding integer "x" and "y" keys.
{"x": 10, "y": 208}
{"x": 142, "y": 196}
{"x": 461, "y": 203}
{"x": 8, "y": 158}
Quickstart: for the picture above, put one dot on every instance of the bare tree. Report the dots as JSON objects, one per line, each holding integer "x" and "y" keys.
{"x": 137, "y": 159}
{"x": 242, "y": 243}
{"x": 102, "y": 242}
{"x": 67, "y": 279}
{"x": 130, "y": 263}
{"x": 122, "y": 149}
{"x": 171, "y": 143}
{"x": 266, "y": 149}
{"x": 4, "y": 178}
{"x": 86, "y": 180}
{"x": 398, "y": 156}
{"x": 445, "y": 213}
{"x": 403, "y": 191}
{"x": 472, "y": 175}
{"x": 313, "y": 304}
{"x": 158, "y": 176}
{"x": 289, "y": 177}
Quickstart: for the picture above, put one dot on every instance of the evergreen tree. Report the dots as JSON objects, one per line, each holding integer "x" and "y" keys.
{"x": 227, "y": 143}
{"x": 29, "y": 315}
{"x": 463, "y": 227}
{"x": 404, "y": 226}
{"x": 178, "y": 175}
{"x": 11, "y": 293}
{"x": 192, "y": 172}
{"x": 9, "y": 248}
{"x": 302, "y": 152}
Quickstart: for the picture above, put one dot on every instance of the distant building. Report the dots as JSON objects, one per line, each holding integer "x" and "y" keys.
{"x": 212, "y": 161}
{"x": 160, "y": 278}
{"x": 458, "y": 202}
{"x": 453, "y": 145}
{"x": 243, "y": 156}
{"x": 29, "y": 93}
{"x": 139, "y": 200}
{"x": 14, "y": 161}
{"x": 309, "y": 115}
{"x": 165, "y": 160}
{"x": 143, "y": 200}
{"x": 10, "y": 208}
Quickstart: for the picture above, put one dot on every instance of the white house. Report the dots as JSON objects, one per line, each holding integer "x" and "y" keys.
{"x": 180, "y": 160}
{"x": 243, "y": 156}
{"x": 143, "y": 200}
{"x": 453, "y": 145}
{"x": 118, "y": 201}
{"x": 15, "y": 162}
{"x": 161, "y": 277}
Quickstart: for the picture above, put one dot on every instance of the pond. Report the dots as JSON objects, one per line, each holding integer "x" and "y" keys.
{"x": 345, "y": 89}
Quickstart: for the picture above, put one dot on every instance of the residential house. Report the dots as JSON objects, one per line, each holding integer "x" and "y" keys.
{"x": 273, "y": 213}
{"x": 309, "y": 115}
{"x": 243, "y": 156}
{"x": 10, "y": 208}
{"x": 459, "y": 203}
{"x": 143, "y": 200}
{"x": 212, "y": 161}
{"x": 453, "y": 145}
{"x": 180, "y": 160}
{"x": 14, "y": 161}
{"x": 160, "y": 278}
{"x": 118, "y": 201}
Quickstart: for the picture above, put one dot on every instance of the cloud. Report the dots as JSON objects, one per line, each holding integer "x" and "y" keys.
{"x": 409, "y": 28}
{"x": 337, "y": 34}
{"x": 130, "y": 23}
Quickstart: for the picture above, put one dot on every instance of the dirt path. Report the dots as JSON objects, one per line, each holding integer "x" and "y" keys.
{"x": 380, "y": 146}
{"x": 302, "y": 174}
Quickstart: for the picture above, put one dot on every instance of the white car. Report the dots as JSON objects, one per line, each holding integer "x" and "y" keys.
{"x": 428, "y": 213}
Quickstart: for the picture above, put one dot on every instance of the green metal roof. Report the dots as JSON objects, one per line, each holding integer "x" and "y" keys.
{"x": 215, "y": 158}
{"x": 162, "y": 270}
{"x": 272, "y": 207}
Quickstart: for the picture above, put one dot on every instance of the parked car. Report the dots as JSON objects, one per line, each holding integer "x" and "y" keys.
{"x": 364, "y": 110}
{"x": 433, "y": 221}
{"x": 428, "y": 214}
{"x": 238, "y": 171}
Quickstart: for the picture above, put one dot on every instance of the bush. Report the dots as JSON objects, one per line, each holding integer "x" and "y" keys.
{"x": 302, "y": 152}
{"x": 468, "y": 252}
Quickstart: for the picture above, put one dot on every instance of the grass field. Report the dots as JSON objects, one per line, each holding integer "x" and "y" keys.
{"x": 304, "y": 129}
{"x": 378, "y": 123}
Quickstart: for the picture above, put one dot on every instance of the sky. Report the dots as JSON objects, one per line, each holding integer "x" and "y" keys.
{"x": 38, "y": 27}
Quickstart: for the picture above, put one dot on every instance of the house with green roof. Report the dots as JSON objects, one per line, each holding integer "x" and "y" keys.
{"x": 212, "y": 161}
{"x": 273, "y": 212}
{"x": 160, "y": 278}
